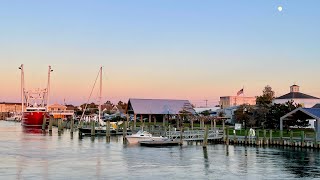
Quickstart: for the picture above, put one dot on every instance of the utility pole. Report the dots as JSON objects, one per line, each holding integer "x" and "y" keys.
{"x": 206, "y": 102}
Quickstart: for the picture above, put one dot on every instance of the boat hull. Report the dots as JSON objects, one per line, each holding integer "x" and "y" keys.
{"x": 33, "y": 119}
{"x": 157, "y": 143}
{"x": 135, "y": 140}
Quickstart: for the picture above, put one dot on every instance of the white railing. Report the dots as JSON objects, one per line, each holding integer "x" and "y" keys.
{"x": 195, "y": 134}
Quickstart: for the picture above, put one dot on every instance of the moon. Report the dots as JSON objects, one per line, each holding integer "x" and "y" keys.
{"x": 279, "y": 8}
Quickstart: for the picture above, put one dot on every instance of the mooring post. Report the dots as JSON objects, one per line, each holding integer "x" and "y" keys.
{"x": 302, "y": 138}
{"x": 270, "y": 141}
{"x": 234, "y": 136}
{"x": 264, "y": 137}
{"x": 245, "y": 136}
{"x": 227, "y": 135}
{"x": 108, "y": 131}
{"x": 71, "y": 125}
{"x": 257, "y": 137}
{"x": 224, "y": 132}
{"x": 59, "y": 125}
{"x": 205, "y": 138}
{"x": 117, "y": 129}
{"x": 44, "y": 122}
{"x": 291, "y": 138}
{"x": 124, "y": 132}
{"x": 181, "y": 134}
{"x": 93, "y": 128}
{"x": 50, "y": 123}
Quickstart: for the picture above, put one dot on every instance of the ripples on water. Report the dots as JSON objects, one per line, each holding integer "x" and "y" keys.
{"x": 34, "y": 155}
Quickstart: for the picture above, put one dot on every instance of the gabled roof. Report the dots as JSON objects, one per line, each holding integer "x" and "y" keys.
{"x": 316, "y": 106}
{"x": 311, "y": 112}
{"x": 296, "y": 95}
{"x": 158, "y": 106}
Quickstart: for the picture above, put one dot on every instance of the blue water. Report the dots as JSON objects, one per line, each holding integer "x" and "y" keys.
{"x": 34, "y": 155}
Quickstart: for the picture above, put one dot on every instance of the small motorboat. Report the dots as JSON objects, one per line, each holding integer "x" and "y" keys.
{"x": 142, "y": 136}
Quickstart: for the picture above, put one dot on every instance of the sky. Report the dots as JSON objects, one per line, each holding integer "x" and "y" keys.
{"x": 172, "y": 49}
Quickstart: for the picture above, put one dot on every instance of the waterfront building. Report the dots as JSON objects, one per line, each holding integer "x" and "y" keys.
{"x": 157, "y": 108}
{"x": 300, "y": 98}
{"x": 311, "y": 114}
{"x": 228, "y": 113}
{"x": 10, "y": 107}
{"x": 229, "y": 101}
{"x": 60, "y": 111}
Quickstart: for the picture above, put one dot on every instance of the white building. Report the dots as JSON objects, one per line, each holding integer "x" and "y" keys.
{"x": 229, "y": 101}
{"x": 300, "y": 98}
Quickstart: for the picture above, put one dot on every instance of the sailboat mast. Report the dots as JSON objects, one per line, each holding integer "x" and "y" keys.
{"x": 100, "y": 93}
{"x": 48, "y": 87}
{"x": 22, "y": 88}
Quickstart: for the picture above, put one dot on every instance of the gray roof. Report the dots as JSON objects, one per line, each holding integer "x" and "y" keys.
{"x": 316, "y": 106}
{"x": 159, "y": 106}
{"x": 296, "y": 95}
{"x": 311, "y": 112}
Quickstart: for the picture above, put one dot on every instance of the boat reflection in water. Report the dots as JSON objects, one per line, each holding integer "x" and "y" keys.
{"x": 32, "y": 130}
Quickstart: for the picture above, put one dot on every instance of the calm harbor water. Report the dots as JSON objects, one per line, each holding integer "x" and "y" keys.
{"x": 33, "y": 155}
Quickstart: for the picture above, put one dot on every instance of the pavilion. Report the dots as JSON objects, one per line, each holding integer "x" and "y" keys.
{"x": 304, "y": 113}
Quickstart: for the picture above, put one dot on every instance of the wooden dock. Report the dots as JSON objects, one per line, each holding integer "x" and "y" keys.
{"x": 195, "y": 135}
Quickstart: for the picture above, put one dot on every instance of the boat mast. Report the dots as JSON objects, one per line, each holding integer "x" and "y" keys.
{"x": 48, "y": 87}
{"x": 22, "y": 87}
{"x": 100, "y": 93}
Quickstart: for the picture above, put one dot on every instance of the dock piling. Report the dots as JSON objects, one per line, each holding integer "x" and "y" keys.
{"x": 205, "y": 139}
{"x": 108, "y": 132}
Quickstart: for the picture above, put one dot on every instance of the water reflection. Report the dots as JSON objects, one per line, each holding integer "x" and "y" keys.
{"x": 206, "y": 161}
{"x": 30, "y": 154}
{"x": 301, "y": 162}
{"x": 32, "y": 130}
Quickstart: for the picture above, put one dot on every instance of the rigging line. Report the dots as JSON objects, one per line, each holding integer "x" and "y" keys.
{"x": 89, "y": 96}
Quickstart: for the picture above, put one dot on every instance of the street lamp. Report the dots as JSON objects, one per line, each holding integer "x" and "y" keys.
{"x": 245, "y": 123}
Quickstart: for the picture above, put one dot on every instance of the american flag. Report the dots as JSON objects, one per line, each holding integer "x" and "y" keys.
{"x": 240, "y": 92}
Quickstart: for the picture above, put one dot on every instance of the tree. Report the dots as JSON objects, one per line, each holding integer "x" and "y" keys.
{"x": 244, "y": 115}
{"x": 263, "y": 104}
{"x": 279, "y": 110}
{"x": 205, "y": 113}
{"x": 266, "y": 97}
{"x": 122, "y": 105}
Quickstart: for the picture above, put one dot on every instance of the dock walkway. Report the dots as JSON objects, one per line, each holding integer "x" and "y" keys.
{"x": 195, "y": 135}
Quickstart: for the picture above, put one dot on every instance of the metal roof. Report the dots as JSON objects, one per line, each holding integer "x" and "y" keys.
{"x": 316, "y": 106}
{"x": 312, "y": 112}
{"x": 159, "y": 106}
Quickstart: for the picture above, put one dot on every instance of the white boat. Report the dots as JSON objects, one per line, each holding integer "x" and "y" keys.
{"x": 15, "y": 117}
{"x": 142, "y": 136}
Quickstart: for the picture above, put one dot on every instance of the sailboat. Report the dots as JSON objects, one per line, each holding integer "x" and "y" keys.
{"x": 101, "y": 130}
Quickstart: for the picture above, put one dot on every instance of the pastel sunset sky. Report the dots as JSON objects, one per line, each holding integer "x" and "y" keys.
{"x": 179, "y": 49}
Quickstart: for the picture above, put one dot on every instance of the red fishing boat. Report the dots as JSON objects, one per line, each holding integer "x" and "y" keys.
{"x": 34, "y": 104}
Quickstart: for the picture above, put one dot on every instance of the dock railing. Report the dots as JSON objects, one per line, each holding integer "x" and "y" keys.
{"x": 194, "y": 135}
